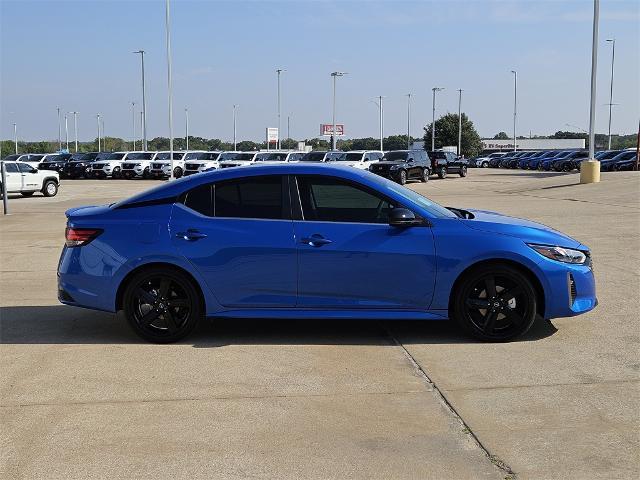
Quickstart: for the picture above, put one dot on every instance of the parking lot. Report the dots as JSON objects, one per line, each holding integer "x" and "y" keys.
{"x": 82, "y": 397}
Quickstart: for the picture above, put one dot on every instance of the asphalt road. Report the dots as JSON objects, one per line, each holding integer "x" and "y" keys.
{"x": 81, "y": 397}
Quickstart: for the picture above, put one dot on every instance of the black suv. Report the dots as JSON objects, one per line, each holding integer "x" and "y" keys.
{"x": 55, "y": 162}
{"x": 79, "y": 164}
{"x": 448, "y": 162}
{"x": 403, "y": 165}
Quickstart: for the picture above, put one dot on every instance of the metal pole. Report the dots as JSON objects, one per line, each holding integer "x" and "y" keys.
{"x": 613, "y": 58}
{"x": 381, "y": 124}
{"x": 98, "y": 122}
{"x": 333, "y": 122}
{"x": 4, "y": 189}
{"x": 169, "y": 85}
{"x": 279, "y": 71}
{"x": 186, "y": 127}
{"x": 15, "y": 136}
{"x": 144, "y": 102}
{"x": 75, "y": 128}
{"x": 459, "y": 121}
{"x": 59, "y": 132}
{"x": 133, "y": 122}
{"x": 141, "y": 124}
{"x": 408, "y": 120}
{"x": 515, "y": 105}
{"x": 288, "y": 126}
{"x": 594, "y": 69}
{"x": 66, "y": 131}
{"x": 104, "y": 141}
{"x": 234, "y": 127}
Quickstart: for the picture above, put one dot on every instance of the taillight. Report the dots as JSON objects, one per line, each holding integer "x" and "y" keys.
{"x": 77, "y": 237}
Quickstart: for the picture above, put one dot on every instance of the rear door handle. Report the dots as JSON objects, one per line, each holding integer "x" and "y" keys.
{"x": 315, "y": 240}
{"x": 191, "y": 235}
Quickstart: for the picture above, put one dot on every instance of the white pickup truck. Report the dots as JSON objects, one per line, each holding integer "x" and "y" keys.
{"x": 27, "y": 180}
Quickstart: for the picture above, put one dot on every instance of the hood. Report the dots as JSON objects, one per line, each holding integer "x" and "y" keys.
{"x": 389, "y": 162}
{"x": 528, "y": 231}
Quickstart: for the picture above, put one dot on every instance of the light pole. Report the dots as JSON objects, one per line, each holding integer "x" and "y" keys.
{"x": 289, "y": 126}
{"x": 66, "y": 131}
{"x": 98, "y": 122}
{"x": 408, "y": 120}
{"x": 590, "y": 169}
{"x": 104, "y": 140}
{"x": 15, "y": 135}
{"x": 515, "y": 106}
{"x": 380, "y": 118}
{"x": 235, "y": 107}
{"x": 144, "y": 103}
{"x": 613, "y": 58}
{"x": 75, "y": 128}
{"x": 133, "y": 122}
{"x": 433, "y": 119}
{"x": 59, "y": 132}
{"x": 186, "y": 127}
{"x": 167, "y": 19}
{"x": 459, "y": 121}
{"x": 278, "y": 71}
{"x": 333, "y": 131}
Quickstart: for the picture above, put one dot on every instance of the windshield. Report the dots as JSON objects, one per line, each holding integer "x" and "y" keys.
{"x": 50, "y": 158}
{"x": 202, "y": 156}
{"x": 563, "y": 154}
{"x": 626, "y": 155}
{"x": 102, "y": 156}
{"x": 140, "y": 156}
{"x": 494, "y": 155}
{"x": 313, "y": 157}
{"x": 165, "y": 156}
{"x": 335, "y": 157}
{"x": 395, "y": 157}
{"x": 114, "y": 156}
{"x": 351, "y": 157}
{"x": 271, "y": 157}
{"x": 296, "y": 156}
{"x": 433, "y": 208}
{"x": 11, "y": 158}
{"x": 78, "y": 157}
{"x": 607, "y": 155}
{"x": 244, "y": 156}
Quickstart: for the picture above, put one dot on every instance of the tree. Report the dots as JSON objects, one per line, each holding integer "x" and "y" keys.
{"x": 447, "y": 134}
{"x": 501, "y": 136}
{"x": 396, "y": 142}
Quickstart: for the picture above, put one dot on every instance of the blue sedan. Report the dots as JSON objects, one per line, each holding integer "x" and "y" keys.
{"x": 315, "y": 241}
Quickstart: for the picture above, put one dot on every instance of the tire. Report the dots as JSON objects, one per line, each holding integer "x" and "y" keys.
{"x": 116, "y": 173}
{"x": 540, "y": 167}
{"x": 26, "y": 194}
{"x": 402, "y": 177}
{"x": 442, "y": 172}
{"x": 494, "y": 303}
{"x": 177, "y": 172}
{"x": 463, "y": 171}
{"x": 50, "y": 188}
{"x": 145, "y": 173}
{"x": 162, "y": 305}
{"x": 424, "y": 177}
{"x": 485, "y": 164}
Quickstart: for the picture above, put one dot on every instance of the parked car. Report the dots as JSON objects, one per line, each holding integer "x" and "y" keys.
{"x": 361, "y": 158}
{"x": 161, "y": 165}
{"x": 197, "y": 162}
{"x": 79, "y": 164}
{"x": 606, "y": 154}
{"x": 25, "y": 179}
{"x": 627, "y": 162}
{"x": 236, "y": 159}
{"x": 483, "y": 161}
{"x": 321, "y": 156}
{"x": 570, "y": 162}
{"x": 531, "y": 163}
{"x": 625, "y": 157}
{"x": 277, "y": 157}
{"x": 344, "y": 244}
{"x": 55, "y": 162}
{"x": 547, "y": 162}
{"x": 447, "y": 162}
{"x": 138, "y": 164}
{"x": 514, "y": 162}
{"x": 496, "y": 161}
{"x": 507, "y": 158}
{"x": 403, "y": 165}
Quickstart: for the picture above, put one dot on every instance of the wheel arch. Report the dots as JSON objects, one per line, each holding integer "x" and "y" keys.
{"x": 170, "y": 266}
{"x": 535, "y": 281}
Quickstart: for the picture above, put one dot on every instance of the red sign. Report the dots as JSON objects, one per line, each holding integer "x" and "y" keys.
{"x": 327, "y": 129}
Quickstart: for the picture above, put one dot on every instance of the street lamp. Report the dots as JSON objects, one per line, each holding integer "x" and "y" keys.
{"x": 104, "y": 140}
{"x": 459, "y": 121}
{"x": 133, "y": 123}
{"x": 289, "y": 126}
{"x": 167, "y": 20}
{"x": 75, "y": 128}
{"x": 59, "y": 133}
{"x": 15, "y": 135}
{"x": 333, "y": 131}
{"x": 515, "y": 104}
{"x": 144, "y": 103}
{"x": 186, "y": 127}
{"x": 590, "y": 168}
{"x": 98, "y": 122}
{"x": 278, "y": 71}
{"x": 613, "y": 58}
{"x": 66, "y": 131}
{"x": 380, "y": 118}
{"x": 408, "y": 95}
{"x": 235, "y": 107}
{"x": 433, "y": 119}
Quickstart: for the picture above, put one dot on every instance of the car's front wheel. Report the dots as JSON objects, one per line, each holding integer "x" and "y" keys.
{"x": 424, "y": 177}
{"x": 463, "y": 171}
{"x": 495, "y": 303}
{"x": 485, "y": 164}
{"x": 50, "y": 188}
{"x": 162, "y": 305}
{"x": 402, "y": 177}
{"x": 442, "y": 172}
{"x": 177, "y": 172}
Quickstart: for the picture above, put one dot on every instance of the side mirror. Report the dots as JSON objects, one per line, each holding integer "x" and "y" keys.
{"x": 402, "y": 217}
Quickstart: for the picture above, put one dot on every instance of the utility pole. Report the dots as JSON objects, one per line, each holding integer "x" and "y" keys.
{"x": 515, "y": 107}
{"x": 75, "y": 128}
{"x": 289, "y": 126}
{"x": 104, "y": 140}
{"x": 408, "y": 120}
{"x": 98, "y": 122}
{"x": 133, "y": 123}
{"x": 15, "y": 136}
{"x": 235, "y": 107}
{"x": 186, "y": 127}
{"x": 590, "y": 168}
{"x": 433, "y": 120}
{"x": 459, "y": 121}
{"x": 169, "y": 86}
{"x": 144, "y": 103}
{"x": 334, "y": 133}
{"x": 613, "y": 59}
{"x": 278, "y": 71}
{"x": 66, "y": 131}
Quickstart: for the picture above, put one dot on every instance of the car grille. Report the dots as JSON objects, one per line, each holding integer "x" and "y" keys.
{"x": 99, "y": 166}
{"x": 573, "y": 293}
{"x": 156, "y": 166}
{"x": 191, "y": 166}
{"x": 128, "y": 166}
{"x": 380, "y": 168}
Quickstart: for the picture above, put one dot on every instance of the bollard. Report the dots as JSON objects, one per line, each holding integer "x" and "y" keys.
{"x": 589, "y": 171}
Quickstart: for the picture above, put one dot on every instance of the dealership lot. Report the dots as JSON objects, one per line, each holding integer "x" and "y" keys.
{"x": 81, "y": 397}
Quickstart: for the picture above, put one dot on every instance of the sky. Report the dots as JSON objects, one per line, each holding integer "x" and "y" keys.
{"x": 77, "y": 55}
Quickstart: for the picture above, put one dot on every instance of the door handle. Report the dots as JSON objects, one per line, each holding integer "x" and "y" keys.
{"x": 191, "y": 235}
{"x": 315, "y": 240}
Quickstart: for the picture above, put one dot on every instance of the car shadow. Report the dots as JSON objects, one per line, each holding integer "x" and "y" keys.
{"x": 60, "y": 324}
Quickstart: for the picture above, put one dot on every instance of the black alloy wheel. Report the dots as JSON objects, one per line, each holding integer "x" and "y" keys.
{"x": 495, "y": 303}
{"x": 424, "y": 177}
{"x": 463, "y": 171}
{"x": 177, "y": 172}
{"x": 162, "y": 305}
{"x": 402, "y": 177}
{"x": 442, "y": 172}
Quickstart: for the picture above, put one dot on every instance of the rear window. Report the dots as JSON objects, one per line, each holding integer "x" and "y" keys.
{"x": 253, "y": 197}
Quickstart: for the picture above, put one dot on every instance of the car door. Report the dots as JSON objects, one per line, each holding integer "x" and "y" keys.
{"x": 348, "y": 255}
{"x": 238, "y": 235}
{"x": 13, "y": 177}
{"x": 30, "y": 179}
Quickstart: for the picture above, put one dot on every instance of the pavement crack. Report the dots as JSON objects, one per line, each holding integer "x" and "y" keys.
{"x": 466, "y": 429}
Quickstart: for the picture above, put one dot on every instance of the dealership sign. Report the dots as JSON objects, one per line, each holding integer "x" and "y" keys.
{"x": 272, "y": 135}
{"x": 327, "y": 129}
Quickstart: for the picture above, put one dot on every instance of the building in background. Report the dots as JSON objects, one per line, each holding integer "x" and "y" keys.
{"x": 492, "y": 145}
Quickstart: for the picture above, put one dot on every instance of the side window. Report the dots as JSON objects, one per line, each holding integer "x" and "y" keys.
{"x": 199, "y": 199}
{"x": 25, "y": 167}
{"x": 328, "y": 199}
{"x": 252, "y": 197}
{"x": 11, "y": 168}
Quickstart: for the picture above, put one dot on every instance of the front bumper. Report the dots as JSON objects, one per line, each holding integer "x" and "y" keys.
{"x": 570, "y": 289}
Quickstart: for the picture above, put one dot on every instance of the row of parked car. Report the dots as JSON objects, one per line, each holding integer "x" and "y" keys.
{"x": 399, "y": 165}
{"x": 557, "y": 160}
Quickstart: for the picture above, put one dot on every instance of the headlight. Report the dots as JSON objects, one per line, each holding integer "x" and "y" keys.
{"x": 561, "y": 254}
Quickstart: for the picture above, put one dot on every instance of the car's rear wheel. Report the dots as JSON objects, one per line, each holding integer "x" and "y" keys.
{"x": 495, "y": 303}
{"x": 425, "y": 175}
{"x": 26, "y": 194}
{"x": 463, "y": 171}
{"x": 177, "y": 172}
{"x": 145, "y": 173}
{"x": 485, "y": 164}
{"x": 116, "y": 173}
{"x": 442, "y": 172}
{"x": 162, "y": 305}
{"x": 50, "y": 188}
{"x": 402, "y": 177}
